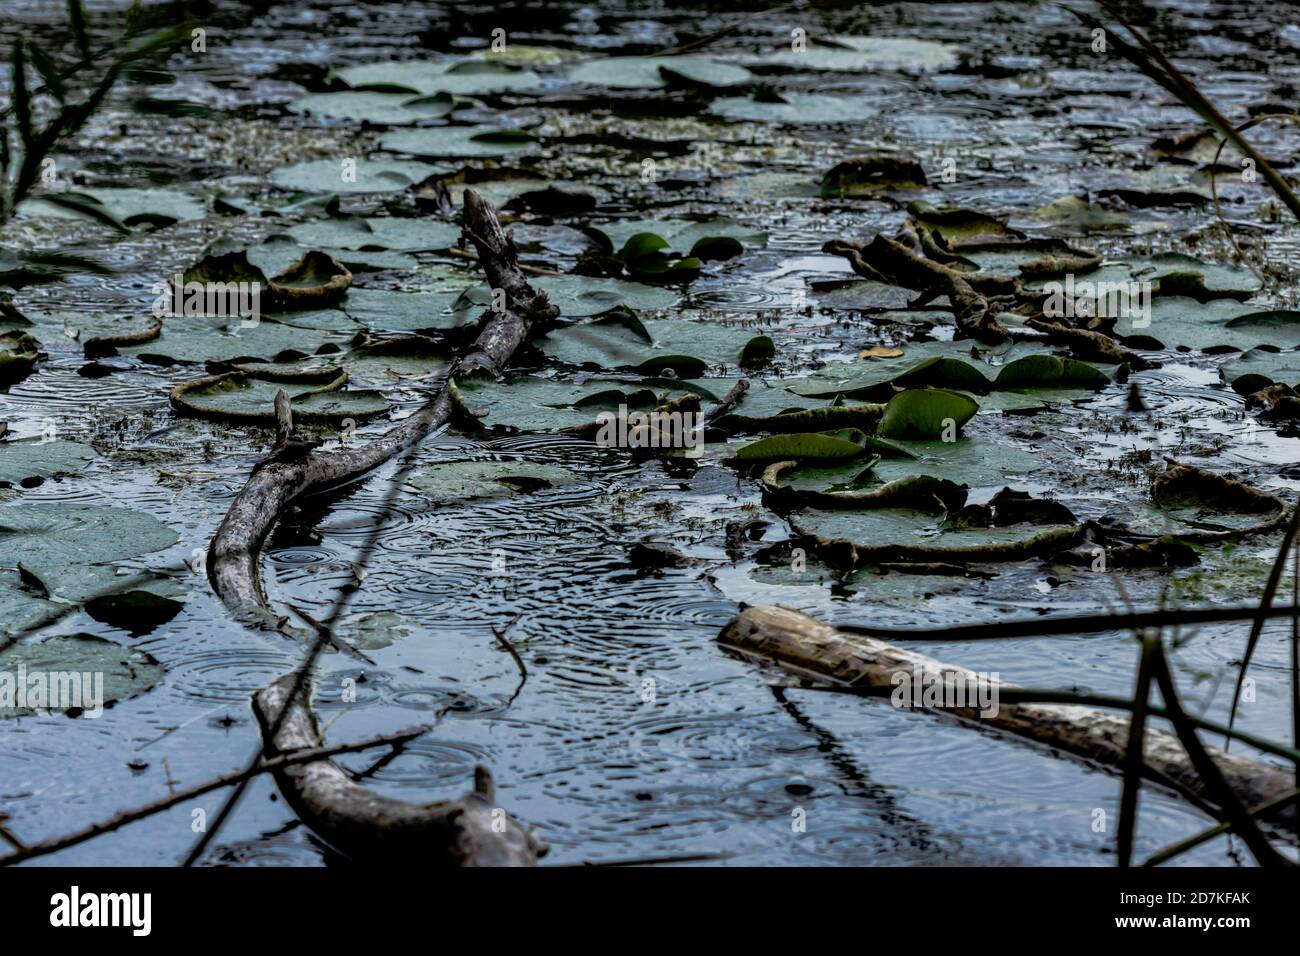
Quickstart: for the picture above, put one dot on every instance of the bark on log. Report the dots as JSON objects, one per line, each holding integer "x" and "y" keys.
{"x": 276, "y": 482}
{"x": 807, "y": 647}
{"x": 370, "y": 828}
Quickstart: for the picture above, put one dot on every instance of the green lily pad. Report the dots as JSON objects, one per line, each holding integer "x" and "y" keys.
{"x": 652, "y": 72}
{"x": 388, "y": 311}
{"x": 855, "y": 54}
{"x": 389, "y": 109}
{"x": 816, "y": 446}
{"x": 215, "y": 339}
{"x": 1259, "y": 368}
{"x": 64, "y": 534}
{"x": 926, "y": 413}
{"x": 795, "y": 108}
{"x": 460, "y": 142}
{"x": 245, "y": 398}
{"x": 464, "y": 77}
{"x": 35, "y": 458}
{"x": 682, "y": 236}
{"x": 623, "y": 341}
{"x": 126, "y": 672}
{"x": 363, "y": 175}
{"x": 397, "y": 235}
{"x": 462, "y": 480}
{"x": 127, "y": 206}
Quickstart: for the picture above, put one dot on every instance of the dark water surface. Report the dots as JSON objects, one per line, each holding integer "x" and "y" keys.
{"x": 717, "y": 761}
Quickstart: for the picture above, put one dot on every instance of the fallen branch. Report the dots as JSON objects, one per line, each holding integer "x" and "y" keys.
{"x": 469, "y": 831}
{"x": 277, "y": 481}
{"x": 807, "y": 647}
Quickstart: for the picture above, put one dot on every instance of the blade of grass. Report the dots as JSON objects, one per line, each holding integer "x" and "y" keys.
{"x": 1218, "y": 788}
{"x": 1192, "y": 842}
{"x": 1134, "y": 755}
{"x": 1265, "y": 602}
{"x": 1157, "y": 66}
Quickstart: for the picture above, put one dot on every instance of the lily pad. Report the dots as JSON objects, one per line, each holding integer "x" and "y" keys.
{"x": 681, "y": 236}
{"x": 926, "y": 413}
{"x": 35, "y": 458}
{"x": 465, "y": 77}
{"x": 65, "y": 534}
{"x": 245, "y": 398}
{"x": 388, "y": 109}
{"x": 217, "y": 339}
{"x": 461, "y": 480}
{"x": 1261, "y": 367}
{"x": 460, "y": 142}
{"x": 854, "y": 54}
{"x": 126, "y": 672}
{"x": 389, "y": 311}
{"x": 354, "y": 175}
{"x": 126, "y": 206}
{"x": 815, "y": 446}
{"x": 398, "y": 235}
{"x": 651, "y": 72}
{"x": 623, "y": 341}
{"x": 795, "y": 108}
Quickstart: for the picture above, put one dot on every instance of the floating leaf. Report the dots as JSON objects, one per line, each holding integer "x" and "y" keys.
{"x": 124, "y": 672}
{"x": 461, "y": 480}
{"x": 795, "y": 108}
{"x": 852, "y": 54}
{"x": 650, "y": 72}
{"x": 352, "y": 175}
{"x": 399, "y": 235}
{"x": 465, "y": 77}
{"x": 458, "y": 142}
{"x": 926, "y": 413}
{"x": 65, "y": 534}
{"x": 804, "y": 446}
{"x": 21, "y": 461}
{"x": 387, "y": 109}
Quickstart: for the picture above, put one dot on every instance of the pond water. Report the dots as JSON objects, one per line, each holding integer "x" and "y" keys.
{"x": 634, "y": 735}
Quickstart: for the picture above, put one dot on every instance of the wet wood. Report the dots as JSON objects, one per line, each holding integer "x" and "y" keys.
{"x": 276, "y": 481}
{"x": 807, "y": 647}
{"x": 371, "y": 828}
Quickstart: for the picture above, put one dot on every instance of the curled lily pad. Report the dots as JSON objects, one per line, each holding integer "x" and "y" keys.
{"x": 852, "y": 54}
{"x": 18, "y": 353}
{"x": 245, "y": 398}
{"x": 75, "y": 670}
{"x": 814, "y": 446}
{"x": 315, "y": 281}
{"x": 704, "y": 239}
{"x": 621, "y": 340}
{"x": 926, "y": 413}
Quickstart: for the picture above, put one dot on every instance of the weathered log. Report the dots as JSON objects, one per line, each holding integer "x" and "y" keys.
{"x": 809, "y": 648}
{"x": 275, "y": 482}
{"x": 370, "y": 828}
